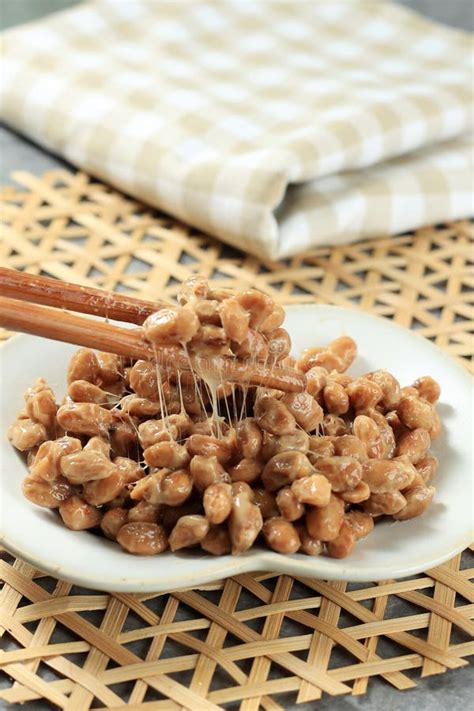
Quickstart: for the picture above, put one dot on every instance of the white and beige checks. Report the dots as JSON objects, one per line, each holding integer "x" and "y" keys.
{"x": 276, "y": 126}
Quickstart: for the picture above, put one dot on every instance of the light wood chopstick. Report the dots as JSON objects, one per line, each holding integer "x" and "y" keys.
{"x": 63, "y": 326}
{"x": 74, "y": 297}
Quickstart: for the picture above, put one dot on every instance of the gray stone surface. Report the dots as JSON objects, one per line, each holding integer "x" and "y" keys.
{"x": 458, "y": 13}
{"x": 453, "y": 690}
{"x": 17, "y": 153}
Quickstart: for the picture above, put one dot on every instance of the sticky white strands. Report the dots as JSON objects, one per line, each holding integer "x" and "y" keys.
{"x": 229, "y": 416}
{"x": 215, "y": 413}
{"x": 117, "y": 407}
{"x": 104, "y": 403}
{"x": 161, "y": 394}
{"x": 243, "y": 408}
{"x": 252, "y": 365}
{"x": 226, "y": 399}
{"x": 180, "y": 394}
{"x": 299, "y": 427}
{"x": 206, "y": 388}
{"x": 131, "y": 422}
{"x": 245, "y": 389}
{"x": 161, "y": 384}
{"x": 193, "y": 373}
{"x": 115, "y": 402}
{"x": 240, "y": 415}
{"x": 234, "y": 406}
{"x": 211, "y": 386}
{"x": 197, "y": 392}
{"x": 273, "y": 363}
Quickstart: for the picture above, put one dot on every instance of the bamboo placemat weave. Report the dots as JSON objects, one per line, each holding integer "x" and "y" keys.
{"x": 254, "y": 641}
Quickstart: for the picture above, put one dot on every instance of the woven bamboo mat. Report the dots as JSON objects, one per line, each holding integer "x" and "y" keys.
{"x": 255, "y": 641}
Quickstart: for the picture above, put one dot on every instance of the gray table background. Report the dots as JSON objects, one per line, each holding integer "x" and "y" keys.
{"x": 453, "y": 690}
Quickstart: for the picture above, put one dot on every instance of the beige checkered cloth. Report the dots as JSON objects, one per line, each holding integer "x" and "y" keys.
{"x": 277, "y": 126}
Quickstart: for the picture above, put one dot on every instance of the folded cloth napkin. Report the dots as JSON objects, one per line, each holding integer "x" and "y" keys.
{"x": 276, "y": 126}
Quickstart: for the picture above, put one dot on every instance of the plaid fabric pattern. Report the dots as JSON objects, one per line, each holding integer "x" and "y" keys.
{"x": 276, "y": 126}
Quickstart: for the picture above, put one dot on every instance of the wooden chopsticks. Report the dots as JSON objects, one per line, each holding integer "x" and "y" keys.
{"x": 37, "y": 318}
{"x": 86, "y": 300}
{"x": 69, "y": 328}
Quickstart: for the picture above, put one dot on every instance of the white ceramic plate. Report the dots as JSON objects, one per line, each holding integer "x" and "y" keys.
{"x": 394, "y": 549}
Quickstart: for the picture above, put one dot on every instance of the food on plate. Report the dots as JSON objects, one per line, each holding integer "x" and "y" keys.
{"x": 156, "y": 459}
